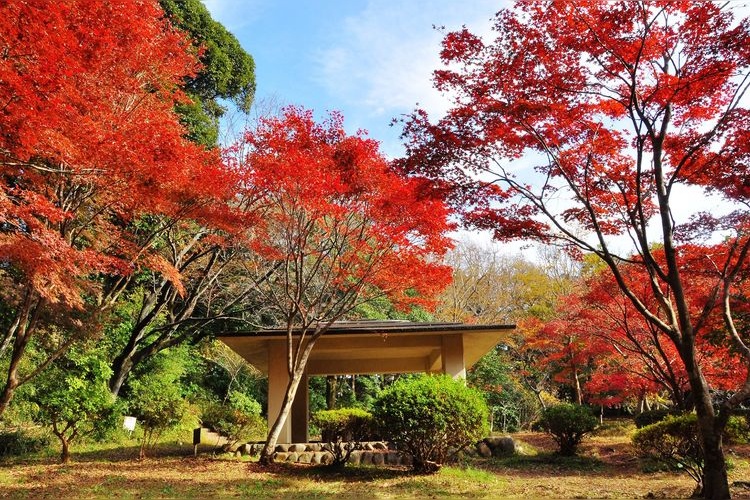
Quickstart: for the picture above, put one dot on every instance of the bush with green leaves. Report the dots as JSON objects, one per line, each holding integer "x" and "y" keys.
{"x": 673, "y": 441}
{"x": 652, "y": 416}
{"x": 568, "y": 424}
{"x": 73, "y": 397}
{"x": 431, "y": 417}
{"x": 237, "y": 419}
{"x": 155, "y": 398}
{"x": 737, "y": 430}
{"x": 343, "y": 431}
{"x": 15, "y": 442}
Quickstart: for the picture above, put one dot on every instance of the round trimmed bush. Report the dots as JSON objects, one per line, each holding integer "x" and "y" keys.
{"x": 673, "y": 441}
{"x": 568, "y": 424}
{"x": 238, "y": 419}
{"x": 430, "y": 416}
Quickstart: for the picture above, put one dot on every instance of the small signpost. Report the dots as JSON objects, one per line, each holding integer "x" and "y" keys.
{"x": 129, "y": 425}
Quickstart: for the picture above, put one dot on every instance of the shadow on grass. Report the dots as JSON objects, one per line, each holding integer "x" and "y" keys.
{"x": 550, "y": 461}
{"x": 120, "y": 453}
{"x": 323, "y": 473}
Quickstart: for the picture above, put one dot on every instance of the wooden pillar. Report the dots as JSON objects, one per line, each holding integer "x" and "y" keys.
{"x": 300, "y": 412}
{"x": 278, "y": 378}
{"x": 453, "y": 356}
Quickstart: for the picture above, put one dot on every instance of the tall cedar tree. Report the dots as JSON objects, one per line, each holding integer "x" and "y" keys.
{"x": 623, "y": 104}
{"x": 89, "y": 143}
{"x": 341, "y": 228}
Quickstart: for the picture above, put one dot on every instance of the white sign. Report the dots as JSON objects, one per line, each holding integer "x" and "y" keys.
{"x": 129, "y": 424}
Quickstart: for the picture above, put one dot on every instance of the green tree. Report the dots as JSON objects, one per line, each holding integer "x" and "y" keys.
{"x": 227, "y": 73}
{"x": 73, "y": 397}
{"x": 512, "y": 406}
{"x": 155, "y": 396}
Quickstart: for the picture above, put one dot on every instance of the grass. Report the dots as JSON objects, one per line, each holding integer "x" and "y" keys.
{"x": 605, "y": 468}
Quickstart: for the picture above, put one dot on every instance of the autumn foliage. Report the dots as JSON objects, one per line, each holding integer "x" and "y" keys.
{"x": 339, "y": 228}
{"x": 89, "y": 145}
{"x": 620, "y": 108}
{"x": 331, "y": 202}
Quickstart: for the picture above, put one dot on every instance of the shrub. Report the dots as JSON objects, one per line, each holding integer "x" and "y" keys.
{"x": 158, "y": 406}
{"x": 428, "y": 416}
{"x": 21, "y": 442}
{"x": 737, "y": 430}
{"x": 651, "y": 417}
{"x": 343, "y": 431}
{"x": 73, "y": 398}
{"x": 238, "y": 419}
{"x": 568, "y": 424}
{"x": 675, "y": 442}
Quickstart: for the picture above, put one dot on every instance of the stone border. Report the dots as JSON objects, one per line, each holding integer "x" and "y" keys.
{"x": 372, "y": 453}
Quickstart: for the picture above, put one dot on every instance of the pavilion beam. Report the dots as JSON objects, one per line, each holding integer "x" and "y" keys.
{"x": 355, "y": 366}
{"x": 333, "y": 343}
{"x": 453, "y": 356}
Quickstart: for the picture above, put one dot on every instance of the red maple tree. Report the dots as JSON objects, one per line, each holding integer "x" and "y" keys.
{"x": 623, "y": 105}
{"x": 341, "y": 228}
{"x": 627, "y": 357}
{"x": 89, "y": 144}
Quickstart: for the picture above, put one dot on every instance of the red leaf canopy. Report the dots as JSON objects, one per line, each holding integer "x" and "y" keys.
{"x": 89, "y": 141}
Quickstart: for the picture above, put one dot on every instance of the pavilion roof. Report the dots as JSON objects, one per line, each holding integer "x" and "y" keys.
{"x": 374, "y": 346}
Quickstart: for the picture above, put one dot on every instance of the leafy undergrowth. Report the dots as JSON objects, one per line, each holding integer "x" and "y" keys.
{"x": 606, "y": 468}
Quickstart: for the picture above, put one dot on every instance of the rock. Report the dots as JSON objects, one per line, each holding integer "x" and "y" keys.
{"x": 378, "y": 458}
{"x": 355, "y": 458}
{"x": 305, "y": 457}
{"x": 280, "y": 456}
{"x": 292, "y": 456}
{"x": 430, "y": 467}
{"x": 297, "y": 448}
{"x": 282, "y": 448}
{"x": 317, "y": 457}
{"x": 379, "y": 446}
{"x": 483, "y": 449}
{"x": 252, "y": 449}
{"x": 393, "y": 458}
{"x": 327, "y": 458}
{"x": 470, "y": 451}
{"x": 407, "y": 459}
{"x": 366, "y": 458}
{"x": 313, "y": 447}
{"x": 501, "y": 446}
{"x": 368, "y": 446}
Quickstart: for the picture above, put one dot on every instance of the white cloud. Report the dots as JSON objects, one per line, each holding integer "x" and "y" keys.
{"x": 383, "y": 57}
{"x": 235, "y": 14}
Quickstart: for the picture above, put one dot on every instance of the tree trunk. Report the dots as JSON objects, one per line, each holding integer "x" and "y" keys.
{"x": 10, "y": 386}
{"x": 266, "y": 455}
{"x": 331, "y": 387}
{"x": 27, "y": 319}
{"x": 65, "y": 453}
{"x": 577, "y": 391}
{"x": 298, "y": 370}
{"x": 120, "y": 370}
{"x": 715, "y": 479}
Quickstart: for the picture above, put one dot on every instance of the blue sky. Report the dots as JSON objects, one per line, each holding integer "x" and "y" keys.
{"x": 370, "y": 59}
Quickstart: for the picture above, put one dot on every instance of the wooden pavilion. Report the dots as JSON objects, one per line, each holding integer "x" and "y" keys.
{"x": 359, "y": 348}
